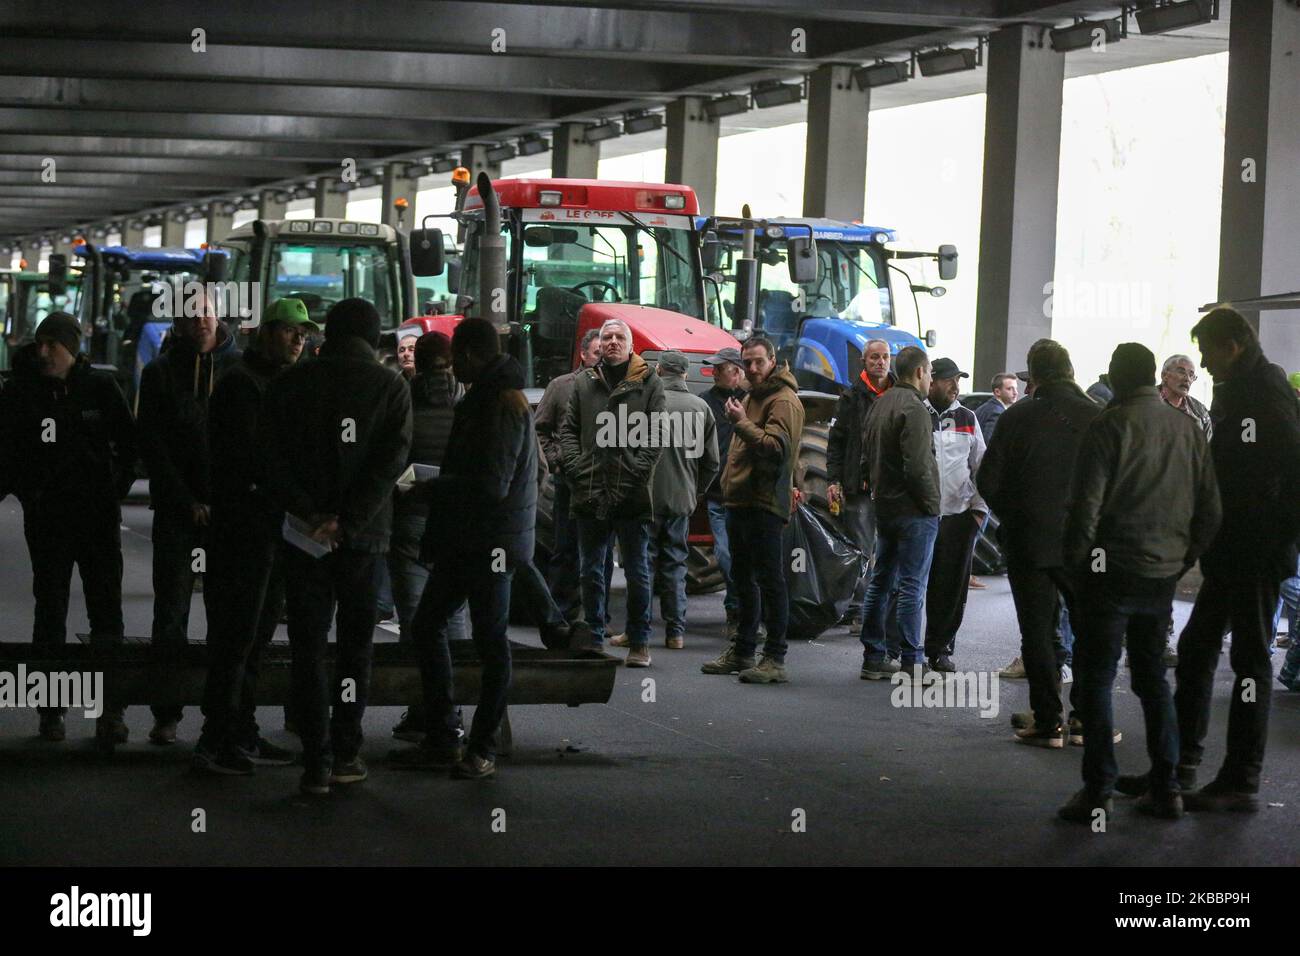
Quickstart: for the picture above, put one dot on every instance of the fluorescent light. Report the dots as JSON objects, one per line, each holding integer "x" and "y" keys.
{"x": 501, "y": 153}
{"x": 946, "y": 60}
{"x": 777, "y": 94}
{"x": 642, "y": 122}
{"x": 599, "y": 132}
{"x": 443, "y": 164}
{"x": 726, "y": 106}
{"x": 1081, "y": 35}
{"x": 1176, "y": 16}
{"x": 883, "y": 73}
{"x": 532, "y": 145}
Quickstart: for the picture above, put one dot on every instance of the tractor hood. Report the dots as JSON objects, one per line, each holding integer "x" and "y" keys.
{"x": 656, "y": 330}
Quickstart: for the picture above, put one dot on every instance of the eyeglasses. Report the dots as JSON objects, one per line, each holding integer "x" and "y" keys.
{"x": 1184, "y": 372}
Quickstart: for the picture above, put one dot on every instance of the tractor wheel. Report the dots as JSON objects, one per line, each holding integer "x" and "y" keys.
{"x": 812, "y": 463}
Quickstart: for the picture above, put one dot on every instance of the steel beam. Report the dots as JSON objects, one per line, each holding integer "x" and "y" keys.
{"x": 233, "y": 170}
{"x": 294, "y": 152}
{"x": 156, "y": 182}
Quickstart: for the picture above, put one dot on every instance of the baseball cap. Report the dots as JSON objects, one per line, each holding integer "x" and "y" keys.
{"x": 946, "y": 368}
{"x": 674, "y": 362}
{"x": 1294, "y": 379}
{"x": 725, "y": 355}
{"x": 290, "y": 312}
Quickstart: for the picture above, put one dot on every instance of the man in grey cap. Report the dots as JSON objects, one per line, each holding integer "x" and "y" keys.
{"x": 685, "y": 469}
{"x": 728, "y": 374}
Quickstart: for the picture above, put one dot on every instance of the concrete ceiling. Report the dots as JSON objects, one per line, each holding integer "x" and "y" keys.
{"x": 138, "y": 120}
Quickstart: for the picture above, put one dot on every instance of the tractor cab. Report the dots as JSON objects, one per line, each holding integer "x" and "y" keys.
{"x": 26, "y": 298}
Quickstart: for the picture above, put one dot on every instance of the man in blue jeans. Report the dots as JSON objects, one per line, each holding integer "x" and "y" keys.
{"x": 1145, "y": 507}
{"x": 903, "y": 477}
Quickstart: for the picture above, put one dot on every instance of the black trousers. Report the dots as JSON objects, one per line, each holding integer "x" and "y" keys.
{"x": 1038, "y": 593}
{"x": 313, "y": 588}
{"x": 562, "y": 573}
{"x": 244, "y": 595}
{"x": 858, "y": 522}
{"x": 1246, "y": 608}
{"x": 176, "y": 538}
{"x": 946, "y": 591}
{"x": 93, "y": 544}
{"x": 758, "y": 557}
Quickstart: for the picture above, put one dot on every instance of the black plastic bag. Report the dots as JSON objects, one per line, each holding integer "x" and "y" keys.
{"x": 821, "y": 575}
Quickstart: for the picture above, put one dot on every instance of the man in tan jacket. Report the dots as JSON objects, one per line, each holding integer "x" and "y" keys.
{"x": 758, "y": 491}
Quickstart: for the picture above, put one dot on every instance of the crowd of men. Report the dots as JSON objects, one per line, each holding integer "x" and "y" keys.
{"x": 286, "y": 481}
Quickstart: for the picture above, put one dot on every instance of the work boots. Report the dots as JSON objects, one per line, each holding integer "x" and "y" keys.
{"x": 728, "y": 662}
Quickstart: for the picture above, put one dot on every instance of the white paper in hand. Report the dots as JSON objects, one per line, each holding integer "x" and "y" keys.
{"x": 298, "y": 533}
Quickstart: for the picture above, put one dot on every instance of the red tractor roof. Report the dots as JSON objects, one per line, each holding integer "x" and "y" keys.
{"x": 590, "y": 194}
{"x": 655, "y": 330}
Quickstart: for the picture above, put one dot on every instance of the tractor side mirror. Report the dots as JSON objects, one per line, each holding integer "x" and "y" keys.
{"x": 801, "y": 254}
{"x": 453, "y": 275}
{"x": 947, "y": 263}
{"x": 426, "y": 252}
{"x": 710, "y": 253}
{"x": 931, "y": 339}
{"x": 214, "y": 266}
{"x": 58, "y": 273}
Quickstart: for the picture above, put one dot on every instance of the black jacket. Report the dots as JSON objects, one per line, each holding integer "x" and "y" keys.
{"x": 174, "y": 392}
{"x": 716, "y": 399}
{"x": 335, "y": 434}
{"x": 1027, "y": 469}
{"x": 89, "y": 457}
{"x": 1256, "y": 450}
{"x": 898, "y": 455}
{"x": 234, "y": 411}
{"x": 1143, "y": 491}
{"x": 433, "y": 408}
{"x": 844, "y": 444}
{"x": 486, "y": 494}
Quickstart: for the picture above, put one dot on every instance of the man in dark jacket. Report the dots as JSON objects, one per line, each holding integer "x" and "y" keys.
{"x": 1025, "y": 479}
{"x": 244, "y": 591}
{"x": 174, "y": 392}
{"x": 562, "y": 574}
{"x": 1144, "y": 507}
{"x": 728, "y": 373}
{"x": 1256, "y": 450}
{"x": 903, "y": 475}
{"x": 1006, "y": 388}
{"x": 67, "y": 452}
{"x": 335, "y": 433}
{"x": 847, "y": 483}
{"x": 482, "y": 507}
{"x": 608, "y": 456}
{"x": 758, "y": 489}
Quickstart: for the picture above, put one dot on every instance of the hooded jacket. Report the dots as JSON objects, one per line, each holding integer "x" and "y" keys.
{"x": 234, "y": 411}
{"x": 689, "y": 459}
{"x": 90, "y": 461}
{"x": 606, "y": 450}
{"x": 764, "y": 452}
{"x": 173, "y": 410}
{"x": 898, "y": 455}
{"x": 335, "y": 433}
{"x": 485, "y": 496}
{"x": 1256, "y": 450}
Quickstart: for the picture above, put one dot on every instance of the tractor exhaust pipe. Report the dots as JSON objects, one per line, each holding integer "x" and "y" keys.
{"x": 747, "y": 276}
{"x": 491, "y": 258}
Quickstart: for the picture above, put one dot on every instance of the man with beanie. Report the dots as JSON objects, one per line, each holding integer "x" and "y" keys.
{"x": 244, "y": 589}
{"x": 334, "y": 437}
{"x": 728, "y": 374}
{"x": 67, "y": 452}
{"x": 1256, "y": 450}
{"x": 173, "y": 402}
{"x": 1144, "y": 507}
{"x": 758, "y": 489}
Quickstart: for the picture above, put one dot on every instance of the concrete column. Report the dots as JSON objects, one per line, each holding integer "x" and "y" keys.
{"x": 474, "y": 158}
{"x": 692, "y": 154}
{"x": 1022, "y": 146}
{"x": 173, "y": 232}
{"x": 268, "y": 207}
{"x": 835, "y": 157}
{"x": 132, "y": 236}
{"x": 219, "y": 222}
{"x": 398, "y": 185}
{"x": 571, "y": 156}
{"x": 1260, "y": 221}
{"x": 59, "y": 246}
{"x": 32, "y": 253}
{"x": 329, "y": 203}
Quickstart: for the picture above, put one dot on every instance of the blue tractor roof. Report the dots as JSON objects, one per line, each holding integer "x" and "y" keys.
{"x": 833, "y": 230}
{"x": 163, "y": 260}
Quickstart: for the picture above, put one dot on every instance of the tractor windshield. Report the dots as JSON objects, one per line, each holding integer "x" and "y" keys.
{"x": 321, "y": 275}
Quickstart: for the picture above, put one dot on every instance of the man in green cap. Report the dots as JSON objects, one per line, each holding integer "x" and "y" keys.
{"x": 244, "y": 593}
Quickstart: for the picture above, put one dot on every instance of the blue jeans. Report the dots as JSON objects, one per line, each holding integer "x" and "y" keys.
{"x": 1119, "y": 606}
{"x": 1289, "y": 675}
{"x": 595, "y": 538}
{"x": 722, "y": 551}
{"x": 1065, "y": 639}
{"x": 409, "y": 576}
{"x": 904, "y": 550}
{"x": 668, "y": 550}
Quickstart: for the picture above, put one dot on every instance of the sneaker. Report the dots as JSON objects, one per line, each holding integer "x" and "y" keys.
{"x": 410, "y": 727}
{"x": 1013, "y": 671}
{"x": 768, "y": 671}
{"x": 163, "y": 733}
{"x": 112, "y": 728}
{"x": 231, "y": 762}
{"x": 943, "y": 663}
{"x": 1067, "y": 675}
{"x": 267, "y": 754}
{"x": 1053, "y": 739}
{"x": 637, "y": 656}
{"x": 1022, "y": 720}
{"x": 1076, "y": 733}
{"x": 1165, "y": 804}
{"x": 1217, "y": 797}
{"x": 620, "y": 640}
{"x": 474, "y": 767}
{"x": 52, "y": 728}
{"x": 350, "y": 771}
{"x": 675, "y": 643}
{"x": 427, "y": 758}
{"x": 975, "y": 584}
{"x": 555, "y": 636}
{"x": 728, "y": 662}
{"x": 879, "y": 669}
{"x": 1170, "y": 656}
{"x": 1082, "y": 808}
{"x": 315, "y": 781}
{"x": 1284, "y": 641}
{"x": 1134, "y": 785}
